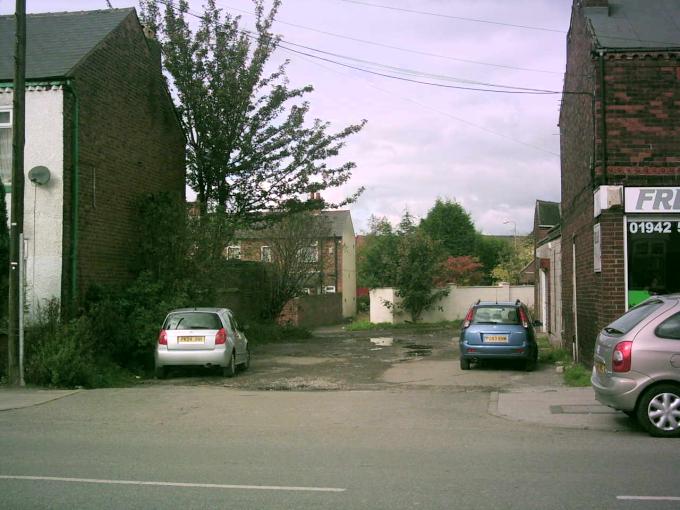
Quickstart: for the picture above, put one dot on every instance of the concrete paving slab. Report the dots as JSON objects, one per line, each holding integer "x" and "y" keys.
{"x": 574, "y": 408}
{"x": 18, "y": 398}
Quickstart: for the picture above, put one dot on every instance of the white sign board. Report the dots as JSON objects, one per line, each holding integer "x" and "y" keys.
{"x": 653, "y": 200}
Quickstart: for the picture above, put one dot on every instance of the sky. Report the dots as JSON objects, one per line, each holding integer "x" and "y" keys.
{"x": 494, "y": 153}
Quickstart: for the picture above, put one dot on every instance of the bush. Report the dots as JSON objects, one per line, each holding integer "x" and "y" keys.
{"x": 363, "y": 304}
{"x": 259, "y": 333}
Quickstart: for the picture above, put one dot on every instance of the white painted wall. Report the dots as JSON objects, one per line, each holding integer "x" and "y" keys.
{"x": 453, "y": 306}
{"x": 43, "y": 205}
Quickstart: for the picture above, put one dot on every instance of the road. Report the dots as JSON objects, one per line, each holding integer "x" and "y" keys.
{"x": 212, "y": 447}
{"x": 384, "y": 423}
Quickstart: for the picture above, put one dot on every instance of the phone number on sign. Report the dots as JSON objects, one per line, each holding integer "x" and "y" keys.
{"x": 653, "y": 227}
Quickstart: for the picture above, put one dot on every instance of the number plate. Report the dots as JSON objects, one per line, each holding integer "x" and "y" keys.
{"x": 190, "y": 339}
{"x": 496, "y": 339}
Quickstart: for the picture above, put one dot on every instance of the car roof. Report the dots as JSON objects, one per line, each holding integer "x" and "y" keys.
{"x": 494, "y": 303}
{"x": 199, "y": 309}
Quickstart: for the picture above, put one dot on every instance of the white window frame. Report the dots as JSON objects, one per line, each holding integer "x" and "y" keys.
{"x": 310, "y": 253}
{"x": 266, "y": 253}
{"x": 329, "y": 289}
{"x": 234, "y": 247}
{"x": 11, "y": 117}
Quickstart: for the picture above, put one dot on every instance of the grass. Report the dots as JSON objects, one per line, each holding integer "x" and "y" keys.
{"x": 365, "y": 325}
{"x": 575, "y": 375}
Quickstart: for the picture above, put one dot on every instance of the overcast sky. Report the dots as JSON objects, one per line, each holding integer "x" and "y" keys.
{"x": 495, "y": 153}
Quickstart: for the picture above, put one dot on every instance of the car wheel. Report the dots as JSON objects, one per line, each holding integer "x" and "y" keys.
{"x": 160, "y": 372}
{"x": 659, "y": 410}
{"x": 246, "y": 364}
{"x": 464, "y": 364}
{"x": 230, "y": 369}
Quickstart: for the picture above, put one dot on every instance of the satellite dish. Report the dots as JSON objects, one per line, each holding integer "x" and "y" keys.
{"x": 39, "y": 175}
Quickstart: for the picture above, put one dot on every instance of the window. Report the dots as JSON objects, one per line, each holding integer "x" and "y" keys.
{"x": 496, "y": 315}
{"x": 310, "y": 253}
{"x": 329, "y": 289}
{"x": 670, "y": 328}
{"x": 634, "y": 316}
{"x": 266, "y": 254}
{"x": 6, "y": 145}
{"x": 192, "y": 320}
{"x": 234, "y": 252}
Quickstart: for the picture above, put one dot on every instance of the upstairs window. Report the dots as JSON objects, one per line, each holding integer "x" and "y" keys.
{"x": 266, "y": 254}
{"x": 234, "y": 252}
{"x": 6, "y": 145}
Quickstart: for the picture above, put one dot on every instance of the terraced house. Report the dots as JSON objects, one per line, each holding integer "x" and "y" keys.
{"x": 100, "y": 120}
{"x": 620, "y": 150}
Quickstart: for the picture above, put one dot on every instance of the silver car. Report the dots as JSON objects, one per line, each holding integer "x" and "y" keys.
{"x": 201, "y": 336}
{"x": 637, "y": 365}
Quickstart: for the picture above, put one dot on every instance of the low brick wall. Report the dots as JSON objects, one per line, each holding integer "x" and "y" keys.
{"x": 313, "y": 311}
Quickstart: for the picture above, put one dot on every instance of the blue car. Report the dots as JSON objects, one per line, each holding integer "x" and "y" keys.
{"x": 498, "y": 330}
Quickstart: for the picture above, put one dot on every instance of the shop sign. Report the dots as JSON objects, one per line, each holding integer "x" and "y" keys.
{"x": 653, "y": 200}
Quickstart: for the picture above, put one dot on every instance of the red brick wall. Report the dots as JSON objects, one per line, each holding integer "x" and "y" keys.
{"x": 131, "y": 144}
{"x": 642, "y": 120}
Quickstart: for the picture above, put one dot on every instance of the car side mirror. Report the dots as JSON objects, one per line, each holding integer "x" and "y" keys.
{"x": 537, "y": 323}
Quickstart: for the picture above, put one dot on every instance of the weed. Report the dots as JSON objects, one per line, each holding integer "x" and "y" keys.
{"x": 576, "y": 375}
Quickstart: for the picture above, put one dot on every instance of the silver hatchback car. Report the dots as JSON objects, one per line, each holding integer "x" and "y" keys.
{"x": 637, "y": 365}
{"x": 201, "y": 336}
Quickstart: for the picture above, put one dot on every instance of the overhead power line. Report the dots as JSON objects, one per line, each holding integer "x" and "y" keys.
{"x": 459, "y": 18}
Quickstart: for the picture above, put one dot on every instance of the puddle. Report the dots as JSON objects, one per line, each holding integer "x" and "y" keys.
{"x": 383, "y": 341}
{"x": 417, "y": 350}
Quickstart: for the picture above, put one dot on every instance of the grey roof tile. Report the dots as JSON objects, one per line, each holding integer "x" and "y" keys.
{"x": 56, "y": 42}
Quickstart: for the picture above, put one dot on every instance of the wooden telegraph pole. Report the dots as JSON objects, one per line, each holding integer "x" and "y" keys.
{"x": 17, "y": 210}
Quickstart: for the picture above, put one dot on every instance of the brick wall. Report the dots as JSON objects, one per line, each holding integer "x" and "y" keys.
{"x": 130, "y": 144}
{"x": 641, "y": 116}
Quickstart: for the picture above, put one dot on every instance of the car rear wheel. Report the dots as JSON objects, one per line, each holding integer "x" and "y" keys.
{"x": 464, "y": 364}
{"x": 230, "y": 369}
{"x": 246, "y": 364}
{"x": 530, "y": 363}
{"x": 659, "y": 411}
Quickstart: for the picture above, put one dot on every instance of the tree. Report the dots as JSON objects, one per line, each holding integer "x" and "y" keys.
{"x": 376, "y": 260}
{"x": 513, "y": 261}
{"x": 419, "y": 268}
{"x": 490, "y": 251}
{"x": 465, "y": 270}
{"x": 296, "y": 244}
{"x": 249, "y": 145}
{"x": 449, "y": 223}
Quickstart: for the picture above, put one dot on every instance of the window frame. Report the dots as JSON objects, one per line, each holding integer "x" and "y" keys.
{"x": 10, "y": 124}
{"x": 675, "y": 316}
{"x": 263, "y": 250}
{"x": 236, "y": 247}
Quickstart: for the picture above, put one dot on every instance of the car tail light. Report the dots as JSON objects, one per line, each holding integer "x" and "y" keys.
{"x": 468, "y": 318}
{"x": 622, "y": 357}
{"x": 221, "y": 337}
{"x": 523, "y": 317}
{"x": 163, "y": 337}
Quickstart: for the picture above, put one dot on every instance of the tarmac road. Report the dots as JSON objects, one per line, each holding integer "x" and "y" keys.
{"x": 416, "y": 434}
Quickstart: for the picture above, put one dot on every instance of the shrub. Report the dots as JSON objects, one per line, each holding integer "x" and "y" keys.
{"x": 259, "y": 333}
{"x": 363, "y": 304}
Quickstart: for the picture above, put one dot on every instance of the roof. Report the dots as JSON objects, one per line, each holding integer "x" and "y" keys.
{"x": 337, "y": 220}
{"x": 553, "y": 233}
{"x": 56, "y": 42}
{"x": 636, "y": 24}
{"x": 548, "y": 213}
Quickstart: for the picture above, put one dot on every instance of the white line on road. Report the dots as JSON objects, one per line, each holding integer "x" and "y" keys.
{"x": 649, "y": 498}
{"x": 173, "y": 484}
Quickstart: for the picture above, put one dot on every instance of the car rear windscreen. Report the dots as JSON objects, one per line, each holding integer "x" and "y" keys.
{"x": 496, "y": 315}
{"x": 192, "y": 320}
{"x": 634, "y": 316}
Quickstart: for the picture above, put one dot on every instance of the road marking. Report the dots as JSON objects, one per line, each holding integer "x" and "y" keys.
{"x": 649, "y": 498}
{"x": 173, "y": 484}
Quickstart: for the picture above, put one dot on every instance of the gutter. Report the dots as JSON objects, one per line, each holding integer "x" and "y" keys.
{"x": 75, "y": 192}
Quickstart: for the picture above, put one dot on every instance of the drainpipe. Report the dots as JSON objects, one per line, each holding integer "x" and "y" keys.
{"x": 603, "y": 115}
{"x": 75, "y": 192}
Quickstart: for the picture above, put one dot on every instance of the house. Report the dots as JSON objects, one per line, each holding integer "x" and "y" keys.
{"x": 548, "y": 266}
{"x": 620, "y": 162}
{"x": 100, "y": 120}
{"x": 334, "y": 256}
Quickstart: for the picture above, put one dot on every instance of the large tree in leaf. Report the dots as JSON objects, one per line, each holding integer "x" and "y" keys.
{"x": 250, "y": 146}
{"x": 449, "y": 223}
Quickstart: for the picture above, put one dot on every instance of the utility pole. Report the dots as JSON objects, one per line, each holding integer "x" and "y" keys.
{"x": 17, "y": 210}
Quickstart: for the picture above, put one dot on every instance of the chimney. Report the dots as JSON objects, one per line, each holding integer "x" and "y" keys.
{"x": 154, "y": 47}
{"x": 596, "y": 6}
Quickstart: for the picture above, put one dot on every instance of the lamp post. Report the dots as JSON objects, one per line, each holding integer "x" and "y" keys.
{"x": 514, "y": 232}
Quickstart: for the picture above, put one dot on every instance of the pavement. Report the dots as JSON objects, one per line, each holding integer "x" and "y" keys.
{"x": 549, "y": 406}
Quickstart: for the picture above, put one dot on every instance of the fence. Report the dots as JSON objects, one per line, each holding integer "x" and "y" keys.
{"x": 453, "y": 306}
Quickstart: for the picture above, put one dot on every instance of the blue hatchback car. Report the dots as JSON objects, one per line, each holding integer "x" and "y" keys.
{"x": 498, "y": 330}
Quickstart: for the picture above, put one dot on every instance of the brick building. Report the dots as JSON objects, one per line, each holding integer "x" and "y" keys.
{"x": 100, "y": 119}
{"x": 333, "y": 256}
{"x": 620, "y": 157}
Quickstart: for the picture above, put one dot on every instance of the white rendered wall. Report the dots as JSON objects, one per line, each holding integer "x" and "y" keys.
{"x": 453, "y": 306}
{"x": 43, "y": 205}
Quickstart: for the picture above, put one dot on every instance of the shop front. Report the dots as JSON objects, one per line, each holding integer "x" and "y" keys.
{"x": 652, "y": 242}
